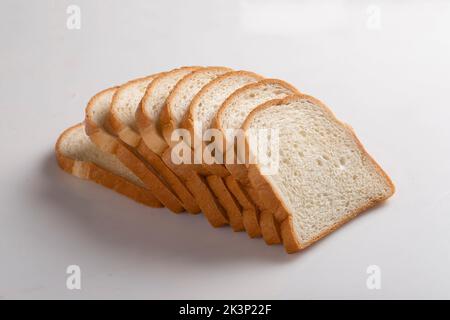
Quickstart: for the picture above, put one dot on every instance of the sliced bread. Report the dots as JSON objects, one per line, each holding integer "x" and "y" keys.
{"x": 202, "y": 110}
{"x": 325, "y": 177}
{"x": 152, "y": 104}
{"x": 97, "y": 129}
{"x": 207, "y": 102}
{"x": 77, "y": 155}
{"x": 147, "y": 120}
{"x": 177, "y": 104}
{"x": 231, "y": 116}
{"x": 122, "y": 122}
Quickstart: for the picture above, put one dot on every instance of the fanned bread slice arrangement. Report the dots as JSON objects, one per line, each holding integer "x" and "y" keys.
{"x": 130, "y": 142}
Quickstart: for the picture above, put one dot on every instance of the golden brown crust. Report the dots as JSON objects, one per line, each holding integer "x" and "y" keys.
{"x": 196, "y": 185}
{"x": 239, "y": 173}
{"x": 149, "y": 128}
{"x": 214, "y": 213}
{"x": 125, "y": 133}
{"x": 107, "y": 142}
{"x": 89, "y": 111}
{"x": 149, "y": 177}
{"x": 210, "y": 206}
{"x": 237, "y": 190}
{"x": 102, "y": 139}
{"x": 252, "y": 224}
{"x": 222, "y": 195}
{"x": 219, "y": 169}
{"x": 93, "y": 172}
{"x": 167, "y": 124}
{"x": 149, "y": 131}
{"x": 269, "y": 228}
{"x": 233, "y": 211}
{"x": 250, "y": 219}
{"x": 207, "y": 202}
{"x": 265, "y": 191}
{"x": 132, "y": 138}
{"x": 188, "y": 125}
{"x": 290, "y": 242}
{"x": 249, "y": 212}
{"x": 183, "y": 193}
{"x": 274, "y": 200}
{"x": 270, "y": 231}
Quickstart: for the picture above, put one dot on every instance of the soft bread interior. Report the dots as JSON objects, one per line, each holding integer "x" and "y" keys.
{"x": 238, "y": 106}
{"x": 325, "y": 177}
{"x": 99, "y": 111}
{"x": 205, "y": 106}
{"x": 159, "y": 90}
{"x": 76, "y": 145}
{"x": 181, "y": 97}
{"x": 127, "y": 100}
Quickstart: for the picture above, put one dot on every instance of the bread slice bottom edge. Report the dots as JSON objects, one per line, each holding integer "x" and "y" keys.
{"x": 91, "y": 171}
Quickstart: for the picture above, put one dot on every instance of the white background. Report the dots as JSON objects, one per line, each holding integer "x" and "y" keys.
{"x": 390, "y": 81}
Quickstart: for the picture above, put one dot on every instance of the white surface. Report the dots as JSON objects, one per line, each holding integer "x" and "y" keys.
{"x": 391, "y": 84}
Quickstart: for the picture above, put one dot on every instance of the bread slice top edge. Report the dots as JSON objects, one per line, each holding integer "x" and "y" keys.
{"x": 299, "y": 208}
{"x": 233, "y": 112}
{"x": 177, "y": 104}
{"x": 248, "y": 92}
{"x": 123, "y": 108}
{"x": 198, "y": 114}
{"x": 149, "y": 110}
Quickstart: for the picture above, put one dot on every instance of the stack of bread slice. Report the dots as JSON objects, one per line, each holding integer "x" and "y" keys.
{"x": 128, "y": 142}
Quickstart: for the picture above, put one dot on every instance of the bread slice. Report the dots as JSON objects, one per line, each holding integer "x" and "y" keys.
{"x": 202, "y": 110}
{"x": 77, "y": 155}
{"x": 177, "y": 104}
{"x": 325, "y": 177}
{"x": 231, "y": 116}
{"x": 147, "y": 120}
{"x": 96, "y": 128}
{"x": 122, "y": 121}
